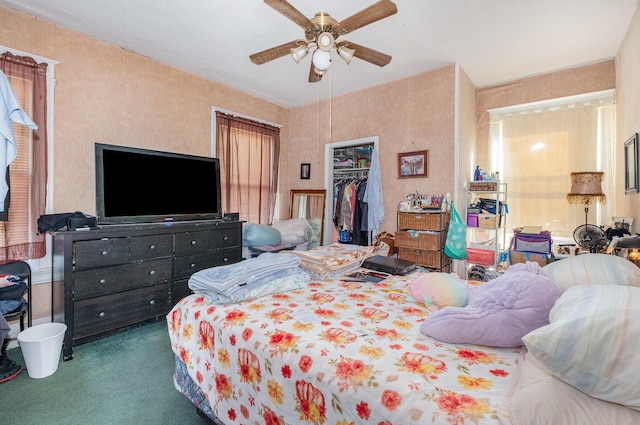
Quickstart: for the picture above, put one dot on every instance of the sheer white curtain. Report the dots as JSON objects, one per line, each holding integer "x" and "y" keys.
{"x": 536, "y": 148}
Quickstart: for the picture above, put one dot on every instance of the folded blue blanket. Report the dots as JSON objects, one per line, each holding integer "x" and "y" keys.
{"x": 225, "y": 279}
{"x": 275, "y": 283}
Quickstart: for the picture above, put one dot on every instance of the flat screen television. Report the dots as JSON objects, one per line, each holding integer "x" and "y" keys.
{"x": 135, "y": 185}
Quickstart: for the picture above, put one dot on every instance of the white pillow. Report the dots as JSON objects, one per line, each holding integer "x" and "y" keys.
{"x": 295, "y": 230}
{"x": 540, "y": 398}
{"x": 593, "y": 269}
{"x": 592, "y": 342}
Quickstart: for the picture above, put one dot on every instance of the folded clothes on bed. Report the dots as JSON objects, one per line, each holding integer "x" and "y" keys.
{"x": 334, "y": 257}
{"x": 273, "y": 283}
{"x": 226, "y": 279}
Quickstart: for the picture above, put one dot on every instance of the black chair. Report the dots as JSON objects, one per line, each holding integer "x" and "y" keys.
{"x": 22, "y": 270}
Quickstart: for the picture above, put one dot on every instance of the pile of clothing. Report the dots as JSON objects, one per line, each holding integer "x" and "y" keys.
{"x": 331, "y": 261}
{"x": 12, "y": 289}
{"x": 268, "y": 273}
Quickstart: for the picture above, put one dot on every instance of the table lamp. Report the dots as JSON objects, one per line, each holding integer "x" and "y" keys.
{"x": 586, "y": 188}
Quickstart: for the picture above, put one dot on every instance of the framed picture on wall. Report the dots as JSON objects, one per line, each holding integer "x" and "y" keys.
{"x": 413, "y": 164}
{"x": 305, "y": 171}
{"x": 631, "y": 165}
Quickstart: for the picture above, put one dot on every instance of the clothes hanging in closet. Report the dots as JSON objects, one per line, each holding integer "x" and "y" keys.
{"x": 359, "y": 234}
{"x": 350, "y": 211}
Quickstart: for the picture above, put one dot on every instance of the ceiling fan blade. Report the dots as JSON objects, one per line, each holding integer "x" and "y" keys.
{"x": 313, "y": 77}
{"x": 367, "y": 54}
{"x": 292, "y": 13}
{"x": 273, "y": 53}
{"x": 373, "y": 13}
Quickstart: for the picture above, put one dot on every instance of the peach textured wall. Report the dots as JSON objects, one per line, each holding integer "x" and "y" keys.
{"x": 628, "y": 112}
{"x": 468, "y": 135}
{"x": 407, "y": 115}
{"x": 574, "y": 81}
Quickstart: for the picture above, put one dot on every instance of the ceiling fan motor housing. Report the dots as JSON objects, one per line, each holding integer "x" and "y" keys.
{"x": 324, "y": 23}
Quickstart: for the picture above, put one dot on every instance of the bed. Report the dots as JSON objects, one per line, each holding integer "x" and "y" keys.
{"x": 336, "y": 352}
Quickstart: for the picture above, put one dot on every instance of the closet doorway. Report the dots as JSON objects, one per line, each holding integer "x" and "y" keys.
{"x": 343, "y": 160}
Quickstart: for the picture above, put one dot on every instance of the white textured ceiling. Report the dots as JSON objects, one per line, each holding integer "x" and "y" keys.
{"x": 494, "y": 41}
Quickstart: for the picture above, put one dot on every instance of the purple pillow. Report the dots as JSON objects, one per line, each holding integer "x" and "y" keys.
{"x": 499, "y": 313}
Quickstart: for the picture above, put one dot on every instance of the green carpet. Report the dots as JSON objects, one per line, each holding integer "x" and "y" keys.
{"x": 124, "y": 378}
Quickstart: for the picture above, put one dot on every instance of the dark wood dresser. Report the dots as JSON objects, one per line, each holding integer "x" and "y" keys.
{"x": 117, "y": 276}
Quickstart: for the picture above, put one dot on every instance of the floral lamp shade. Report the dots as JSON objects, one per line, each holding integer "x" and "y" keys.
{"x": 586, "y": 187}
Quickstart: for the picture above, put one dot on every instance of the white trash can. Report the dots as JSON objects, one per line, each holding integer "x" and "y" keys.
{"x": 41, "y": 346}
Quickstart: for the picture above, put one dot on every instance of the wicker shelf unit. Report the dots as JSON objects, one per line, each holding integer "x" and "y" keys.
{"x": 420, "y": 237}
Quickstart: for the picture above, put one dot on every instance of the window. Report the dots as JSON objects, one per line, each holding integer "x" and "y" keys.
{"x": 536, "y": 147}
{"x": 19, "y": 239}
{"x": 249, "y": 154}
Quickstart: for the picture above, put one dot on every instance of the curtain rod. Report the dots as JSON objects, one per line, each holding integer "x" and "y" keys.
{"x": 597, "y": 95}
{"x": 236, "y": 114}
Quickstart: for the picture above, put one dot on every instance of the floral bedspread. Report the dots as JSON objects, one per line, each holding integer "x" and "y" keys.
{"x": 335, "y": 353}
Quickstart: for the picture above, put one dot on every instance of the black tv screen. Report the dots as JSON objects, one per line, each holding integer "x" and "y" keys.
{"x": 142, "y": 185}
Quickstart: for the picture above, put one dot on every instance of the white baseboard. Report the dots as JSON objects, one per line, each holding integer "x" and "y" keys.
{"x": 15, "y": 330}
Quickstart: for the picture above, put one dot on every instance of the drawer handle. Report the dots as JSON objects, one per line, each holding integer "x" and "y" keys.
{"x": 102, "y": 314}
{"x": 152, "y": 272}
{"x": 226, "y": 238}
{"x": 192, "y": 265}
{"x": 225, "y": 260}
{"x": 194, "y": 242}
{"x": 152, "y": 302}
{"x": 104, "y": 252}
{"x": 152, "y": 247}
{"x": 102, "y": 281}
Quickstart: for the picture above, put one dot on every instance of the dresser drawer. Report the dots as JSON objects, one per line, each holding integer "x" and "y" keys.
{"x": 185, "y": 266}
{"x": 101, "y": 252}
{"x": 430, "y": 259}
{"x": 423, "y": 221}
{"x": 96, "y": 315}
{"x": 420, "y": 239}
{"x": 153, "y": 246}
{"x": 225, "y": 237}
{"x": 109, "y": 280}
{"x": 193, "y": 242}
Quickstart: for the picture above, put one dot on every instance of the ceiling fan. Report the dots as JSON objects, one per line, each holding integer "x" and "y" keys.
{"x": 321, "y": 32}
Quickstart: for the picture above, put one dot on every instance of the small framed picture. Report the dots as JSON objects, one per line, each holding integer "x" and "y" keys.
{"x": 305, "y": 171}
{"x": 413, "y": 164}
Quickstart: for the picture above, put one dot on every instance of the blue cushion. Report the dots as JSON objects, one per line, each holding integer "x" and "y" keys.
{"x": 260, "y": 235}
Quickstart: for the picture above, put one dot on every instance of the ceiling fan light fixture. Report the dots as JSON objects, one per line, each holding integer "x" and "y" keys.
{"x": 345, "y": 53}
{"x": 321, "y": 60}
{"x": 319, "y": 72}
{"x": 299, "y": 52}
{"x": 325, "y": 41}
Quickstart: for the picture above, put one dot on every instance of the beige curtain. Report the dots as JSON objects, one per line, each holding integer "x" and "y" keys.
{"x": 536, "y": 150}
{"x": 19, "y": 239}
{"x": 249, "y": 154}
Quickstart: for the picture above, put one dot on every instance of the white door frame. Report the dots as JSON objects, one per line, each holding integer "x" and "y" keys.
{"x": 328, "y": 178}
